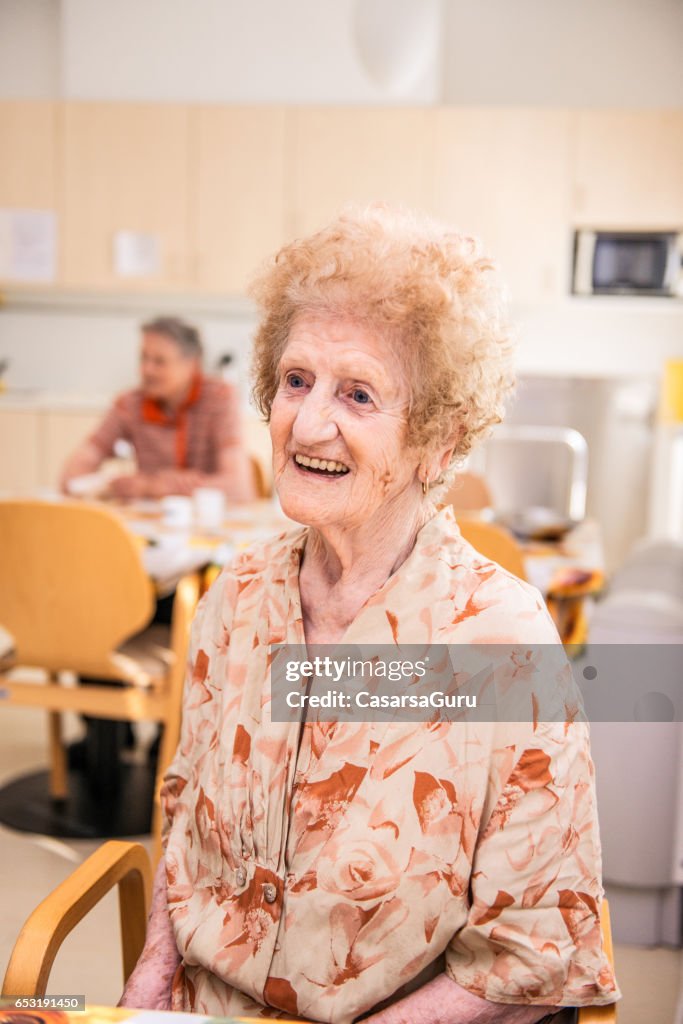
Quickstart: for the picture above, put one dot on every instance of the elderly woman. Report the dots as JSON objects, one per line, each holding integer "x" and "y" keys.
{"x": 355, "y": 870}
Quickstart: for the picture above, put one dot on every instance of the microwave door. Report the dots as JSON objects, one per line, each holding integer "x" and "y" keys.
{"x": 624, "y": 264}
{"x": 627, "y": 263}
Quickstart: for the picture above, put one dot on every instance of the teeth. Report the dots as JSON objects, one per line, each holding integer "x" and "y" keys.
{"x": 325, "y": 464}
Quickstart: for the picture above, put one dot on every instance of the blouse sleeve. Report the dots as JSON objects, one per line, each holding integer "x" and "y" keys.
{"x": 533, "y": 928}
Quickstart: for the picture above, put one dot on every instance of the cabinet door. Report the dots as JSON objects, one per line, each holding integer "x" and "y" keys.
{"x": 28, "y": 134}
{"x": 363, "y": 155}
{"x": 503, "y": 175}
{"x": 126, "y": 169}
{"x": 629, "y": 169}
{"x": 19, "y": 451}
{"x": 237, "y": 192}
{"x": 61, "y": 432}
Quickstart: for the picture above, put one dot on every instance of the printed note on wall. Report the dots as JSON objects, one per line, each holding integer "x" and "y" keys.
{"x": 136, "y": 254}
{"x": 28, "y": 245}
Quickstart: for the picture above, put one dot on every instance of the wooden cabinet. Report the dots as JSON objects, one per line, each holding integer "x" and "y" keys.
{"x": 35, "y": 443}
{"x": 220, "y": 187}
{"x": 61, "y": 431}
{"x": 28, "y": 168}
{"x": 628, "y": 169}
{"x": 237, "y": 192}
{"x": 357, "y": 154}
{"x": 125, "y": 169}
{"x": 503, "y": 175}
{"x": 19, "y": 451}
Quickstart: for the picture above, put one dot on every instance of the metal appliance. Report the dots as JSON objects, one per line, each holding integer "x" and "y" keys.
{"x": 628, "y": 263}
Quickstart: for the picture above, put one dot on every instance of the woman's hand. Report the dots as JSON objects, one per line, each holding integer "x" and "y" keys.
{"x": 149, "y": 986}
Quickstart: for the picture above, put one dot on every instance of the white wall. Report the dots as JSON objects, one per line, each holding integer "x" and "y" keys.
{"x": 94, "y": 353}
{"x": 601, "y": 336}
{"x": 64, "y": 349}
{"x": 624, "y": 53}
{"x": 594, "y": 53}
{"x": 29, "y": 49}
{"x": 231, "y": 51}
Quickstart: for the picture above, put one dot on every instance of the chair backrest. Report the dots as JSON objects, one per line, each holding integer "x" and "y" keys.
{"x": 529, "y": 465}
{"x": 261, "y": 485}
{"x": 72, "y": 585}
{"x": 495, "y": 543}
{"x": 468, "y": 493}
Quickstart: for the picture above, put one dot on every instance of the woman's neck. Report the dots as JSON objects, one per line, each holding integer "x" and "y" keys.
{"x": 343, "y": 567}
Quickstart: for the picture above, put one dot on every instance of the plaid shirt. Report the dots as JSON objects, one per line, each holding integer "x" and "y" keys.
{"x": 190, "y": 440}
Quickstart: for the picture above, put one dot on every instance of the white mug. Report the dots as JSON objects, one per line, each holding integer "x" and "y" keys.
{"x": 209, "y": 508}
{"x": 177, "y": 511}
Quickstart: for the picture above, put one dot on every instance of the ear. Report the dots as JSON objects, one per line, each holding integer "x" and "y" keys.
{"x": 433, "y": 465}
{"x": 438, "y": 461}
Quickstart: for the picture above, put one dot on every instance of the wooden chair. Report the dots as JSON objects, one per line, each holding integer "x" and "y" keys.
{"x": 74, "y": 596}
{"x": 127, "y": 863}
{"x": 495, "y": 543}
{"x": 469, "y": 493}
{"x": 115, "y": 863}
{"x": 261, "y": 485}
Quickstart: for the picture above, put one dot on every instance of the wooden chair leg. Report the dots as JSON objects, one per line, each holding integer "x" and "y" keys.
{"x": 58, "y": 767}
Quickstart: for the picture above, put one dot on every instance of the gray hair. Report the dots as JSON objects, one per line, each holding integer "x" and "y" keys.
{"x": 186, "y": 337}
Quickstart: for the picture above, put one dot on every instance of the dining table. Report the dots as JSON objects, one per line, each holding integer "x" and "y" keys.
{"x": 32, "y": 1011}
{"x": 170, "y": 551}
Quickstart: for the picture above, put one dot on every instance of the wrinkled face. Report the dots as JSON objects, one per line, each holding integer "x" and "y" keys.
{"x": 166, "y": 372}
{"x": 338, "y": 425}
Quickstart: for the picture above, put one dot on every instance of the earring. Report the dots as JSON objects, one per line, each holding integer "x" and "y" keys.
{"x": 425, "y": 487}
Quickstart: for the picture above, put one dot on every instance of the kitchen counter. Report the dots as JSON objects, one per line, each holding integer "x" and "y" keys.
{"x": 36, "y": 400}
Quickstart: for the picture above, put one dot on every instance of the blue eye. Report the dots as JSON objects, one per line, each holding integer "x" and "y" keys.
{"x": 295, "y": 380}
{"x": 360, "y": 396}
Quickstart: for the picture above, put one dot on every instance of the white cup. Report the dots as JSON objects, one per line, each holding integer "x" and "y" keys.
{"x": 177, "y": 512}
{"x": 209, "y": 508}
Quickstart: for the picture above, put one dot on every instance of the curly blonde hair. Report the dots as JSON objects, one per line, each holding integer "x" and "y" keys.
{"x": 421, "y": 283}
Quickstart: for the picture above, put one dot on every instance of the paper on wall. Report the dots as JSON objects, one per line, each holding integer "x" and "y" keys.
{"x": 136, "y": 254}
{"x": 28, "y": 245}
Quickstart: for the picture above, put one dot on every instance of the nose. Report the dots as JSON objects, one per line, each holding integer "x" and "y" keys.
{"x": 314, "y": 422}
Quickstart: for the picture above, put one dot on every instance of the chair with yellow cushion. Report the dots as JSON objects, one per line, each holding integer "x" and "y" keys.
{"x": 126, "y": 863}
{"x": 75, "y": 598}
{"x": 494, "y": 542}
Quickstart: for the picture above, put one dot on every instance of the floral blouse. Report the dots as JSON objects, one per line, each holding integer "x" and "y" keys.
{"x": 319, "y": 871}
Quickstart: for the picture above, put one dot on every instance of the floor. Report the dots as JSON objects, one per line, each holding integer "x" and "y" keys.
{"x": 89, "y": 962}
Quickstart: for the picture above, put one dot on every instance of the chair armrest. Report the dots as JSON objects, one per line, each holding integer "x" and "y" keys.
{"x": 125, "y": 864}
{"x": 184, "y": 606}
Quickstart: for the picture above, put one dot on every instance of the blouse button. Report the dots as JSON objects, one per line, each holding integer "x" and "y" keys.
{"x": 241, "y": 876}
{"x": 269, "y": 893}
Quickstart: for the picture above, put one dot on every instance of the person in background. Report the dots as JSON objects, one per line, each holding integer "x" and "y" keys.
{"x": 183, "y": 426}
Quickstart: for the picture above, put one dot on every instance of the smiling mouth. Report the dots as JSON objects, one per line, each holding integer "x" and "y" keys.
{"x": 323, "y": 467}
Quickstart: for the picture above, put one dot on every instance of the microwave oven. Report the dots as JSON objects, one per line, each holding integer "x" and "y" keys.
{"x": 628, "y": 263}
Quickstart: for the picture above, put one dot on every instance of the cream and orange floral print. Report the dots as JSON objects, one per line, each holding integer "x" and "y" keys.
{"x": 319, "y": 875}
